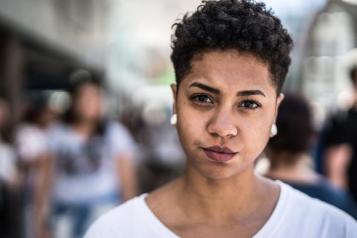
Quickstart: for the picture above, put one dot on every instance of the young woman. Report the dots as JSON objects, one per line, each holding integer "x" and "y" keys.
{"x": 93, "y": 158}
{"x": 230, "y": 58}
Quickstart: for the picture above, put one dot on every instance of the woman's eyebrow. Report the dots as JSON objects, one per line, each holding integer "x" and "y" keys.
{"x": 216, "y": 91}
{"x": 205, "y": 87}
{"x": 250, "y": 93}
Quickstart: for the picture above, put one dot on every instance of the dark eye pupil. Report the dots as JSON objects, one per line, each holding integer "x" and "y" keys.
{"x": 249, "y": 104}
{"x": 202, "y": 98}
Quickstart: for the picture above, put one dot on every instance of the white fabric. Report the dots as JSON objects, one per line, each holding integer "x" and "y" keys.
{"x": 296, "y": 215}
{"x": 7, "y": 163}
{"x": 80, "y": 178}
{"x": 31, "y": 142}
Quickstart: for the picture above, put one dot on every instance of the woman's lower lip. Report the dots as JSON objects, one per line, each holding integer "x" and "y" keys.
{"x": 219, "y": 157}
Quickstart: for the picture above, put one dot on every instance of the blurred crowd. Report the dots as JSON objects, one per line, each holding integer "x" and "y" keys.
{"x": 68, "y": 157}
{"x": 319, "y": 160}
{"x": 61, "y": 169}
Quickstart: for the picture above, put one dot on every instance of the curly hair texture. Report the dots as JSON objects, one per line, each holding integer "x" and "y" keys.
{"x": 243, "y": 25}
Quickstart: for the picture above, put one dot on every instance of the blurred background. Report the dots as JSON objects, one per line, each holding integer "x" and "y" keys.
{"x": 85, "y": 103}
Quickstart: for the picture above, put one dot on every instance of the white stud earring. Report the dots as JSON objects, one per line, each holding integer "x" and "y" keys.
{"x": 273, "y": 130}
{"x": 173, "y": 119}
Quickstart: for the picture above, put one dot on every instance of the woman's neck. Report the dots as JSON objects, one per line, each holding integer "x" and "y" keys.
{"x": 237, "y": 205}
{"x": 234, "y": 198}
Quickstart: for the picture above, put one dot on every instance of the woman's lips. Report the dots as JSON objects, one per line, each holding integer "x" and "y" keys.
{"x": 219, "y": 154}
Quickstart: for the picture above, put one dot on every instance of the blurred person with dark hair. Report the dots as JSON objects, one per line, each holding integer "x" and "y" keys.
{"x": 339, "y": 143}
{"x": 32, "y": 136}
{"x": 9, "y": 179}
{"x": 290, "y": 159}
{"x": 94, "y": 157}
{"x": 231, "y": 58}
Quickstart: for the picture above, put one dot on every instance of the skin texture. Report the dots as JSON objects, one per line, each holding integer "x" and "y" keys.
{"x": 225, "y": 121}
{"x": 221, "y": 199}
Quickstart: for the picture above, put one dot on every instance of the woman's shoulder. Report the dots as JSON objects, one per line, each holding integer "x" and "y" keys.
{"x": 298, "y": 215}
{"x": 119, "y": 220}
{"x": 132, "y": 219}
{"x": 305, "y": 210}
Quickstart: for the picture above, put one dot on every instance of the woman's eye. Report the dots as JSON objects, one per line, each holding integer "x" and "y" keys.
{"x": 202, "y": 99}
{"x": 249, "y": 104}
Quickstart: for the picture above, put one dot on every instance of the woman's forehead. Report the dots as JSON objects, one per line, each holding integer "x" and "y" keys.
{"x": 229, "y": 69}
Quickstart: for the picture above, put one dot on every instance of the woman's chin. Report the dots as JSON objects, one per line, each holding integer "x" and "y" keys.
{"x": 219, "y": 174}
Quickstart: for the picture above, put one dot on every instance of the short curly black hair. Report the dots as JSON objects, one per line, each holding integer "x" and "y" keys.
{"x": 243, "y": 25}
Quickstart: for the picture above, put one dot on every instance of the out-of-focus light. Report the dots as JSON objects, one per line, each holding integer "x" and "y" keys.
{"x": 59, "y": 101}
{"x": 262, "y": 166}
{"x": 79, "y": 74}
{"x": 350, "y": 1}
{"x": 345, "y": 99}
{"x": 154, "y": 114}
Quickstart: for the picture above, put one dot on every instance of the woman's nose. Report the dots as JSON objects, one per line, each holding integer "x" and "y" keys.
{"x": 222, "y": 125}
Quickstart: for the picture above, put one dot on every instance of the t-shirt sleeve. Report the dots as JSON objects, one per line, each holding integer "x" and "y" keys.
{"x": 109, "y": 225}
{"x": 94, "y": 232}
{"x": 120, "y": 139}
{"x": 335, "y": 222}
{"x": 7, "y": 163}
{"x": 31, "y": 143}
{"x": 351, "y": 228}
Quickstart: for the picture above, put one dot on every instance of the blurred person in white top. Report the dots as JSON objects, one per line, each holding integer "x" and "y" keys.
{"x": 9, "y": 178}
{"x": 93, "y": 158}
{"x": 8, "y": 170}
{"x": 35, "y": 162}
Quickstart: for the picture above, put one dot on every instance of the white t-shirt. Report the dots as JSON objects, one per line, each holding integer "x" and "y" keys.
{"x": 85, "y": 170}
{"x": 295, "y": 215}
{"x": 31, "y": 142}
{"x": 7, "y": 163}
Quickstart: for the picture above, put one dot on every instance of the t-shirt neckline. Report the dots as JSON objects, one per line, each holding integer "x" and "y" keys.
{"x": 154, "y": 223}
{"x": 277, "y": 216}
{"x": 265, "y": 231}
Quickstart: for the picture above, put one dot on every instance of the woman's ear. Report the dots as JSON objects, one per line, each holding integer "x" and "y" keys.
{"x": 279, "y": 99}
{"x": 174, "y": 94}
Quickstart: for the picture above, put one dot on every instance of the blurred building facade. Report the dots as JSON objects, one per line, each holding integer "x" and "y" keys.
{"x": 76, "y": 28}
{"x": 42, "y": 41}
{"x": 329, "y": 55}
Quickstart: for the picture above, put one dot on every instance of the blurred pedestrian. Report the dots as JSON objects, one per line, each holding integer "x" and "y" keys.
{"x": 290, "y": 159}
{"x": 8, "y": 167}
{"x": 93, "y": 157}
{"x": 35, "y": 162}
{"x": 339, "y": 142}
{"x": 334, "y": 150}
{"x": 10, "y": 217}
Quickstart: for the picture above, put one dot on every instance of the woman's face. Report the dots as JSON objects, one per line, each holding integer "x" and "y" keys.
{"x": 225, "y": 107}
{"x": 88, "y": 102}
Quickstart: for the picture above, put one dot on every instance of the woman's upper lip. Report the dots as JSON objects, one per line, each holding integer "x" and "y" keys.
{"x": 220, "y": 149}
